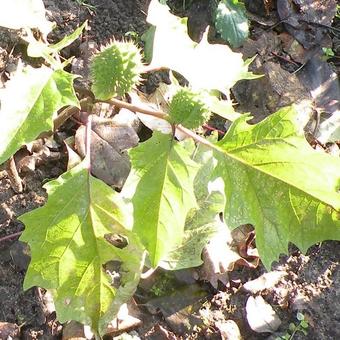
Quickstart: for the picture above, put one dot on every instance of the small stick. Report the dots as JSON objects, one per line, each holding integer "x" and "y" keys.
{"x": 9, "y": 237}
{"x": 13, "y": 176}
{"x": 64, "y": 116}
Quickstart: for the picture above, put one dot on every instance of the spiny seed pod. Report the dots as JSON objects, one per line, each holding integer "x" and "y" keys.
{"x": 188, "y": 108}
{"x": 115, "y": 70}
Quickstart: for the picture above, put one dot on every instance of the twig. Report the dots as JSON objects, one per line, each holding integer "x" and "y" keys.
{"x": 9, "y": 237}
{"x": 64, "y": 116}
{"x": 13, "y": 176}
{"x": 300, "y": 68}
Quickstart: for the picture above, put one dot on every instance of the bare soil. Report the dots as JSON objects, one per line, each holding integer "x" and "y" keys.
{"x": 312, "y": 284}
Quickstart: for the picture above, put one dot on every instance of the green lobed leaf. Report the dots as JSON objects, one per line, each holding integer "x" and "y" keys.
{"x": 223, "y": 108}
{"x": 276, "y": 181}
{"x": 201, "y": 222}
{"x": 69, "y": 39}
{"x": 231, "y": 22}
{"x": 160, "y": 187}
{"x": 206, "y": 66}
{"x": 69, "y": 249}
{"x": 38, "y": 49}
{"x": 29, "y": 103}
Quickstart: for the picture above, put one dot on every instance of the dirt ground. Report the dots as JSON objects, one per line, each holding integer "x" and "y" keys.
{"x": 311, "y": 284}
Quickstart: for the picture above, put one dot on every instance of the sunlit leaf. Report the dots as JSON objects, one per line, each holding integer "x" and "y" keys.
{"x": 69, "y": 250}
{"x": 160, "y": 187}
{"x": 205, "y": 66}
{"x": 29, "y": 103}
{"x": 202, "y": 223}
{"x": 277, "y": 182}
{"x": 18, "y": 14}
{"x": 38, "y": 49}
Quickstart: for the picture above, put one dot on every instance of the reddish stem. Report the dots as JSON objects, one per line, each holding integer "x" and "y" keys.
{"x": 88, "y": 142}
{"x": 210, "y": 128}
{"x": 9, "y": 237}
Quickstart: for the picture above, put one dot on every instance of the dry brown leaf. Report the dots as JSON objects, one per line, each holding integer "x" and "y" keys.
{"x": 107, "y": 164}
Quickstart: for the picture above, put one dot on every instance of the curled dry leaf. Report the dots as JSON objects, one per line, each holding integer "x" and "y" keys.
{"x": 218, "y": 257}
{"x": 228, "y": 330}
{"x": 40, "y": 152}
{"x": 120, "y": 137}
{"x": 127, "y": 117}
{"x": 107, "y": 164}
{"x": 225, "y": 250}
{"x": 243, "y": 240}
{"x": 73, "y": 158}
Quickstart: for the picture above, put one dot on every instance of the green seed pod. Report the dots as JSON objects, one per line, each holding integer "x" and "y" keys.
{"x": 188, "y": 108}
{"x": 115, "y": 70}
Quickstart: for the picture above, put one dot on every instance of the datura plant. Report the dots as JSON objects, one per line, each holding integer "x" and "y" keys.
{"x": 188, "y": 108}
{"x": 116, "y": 70}
{"x": 168, "y": 209}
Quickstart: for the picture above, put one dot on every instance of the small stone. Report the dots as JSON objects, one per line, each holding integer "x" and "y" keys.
{"x": 74, "y": 330}
{"x": 261, "y": 316}
{"x": 229, "y": 330}
{"x": 129, "y": 118}
{"x": 126, "y": 320}
{"x": 20, "y": 255}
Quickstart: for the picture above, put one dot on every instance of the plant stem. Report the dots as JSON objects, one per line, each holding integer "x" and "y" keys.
{"x": 161, "y": 115}
{"x": 196, "y": 137}
{"x": 135, "y": 108}
{"x": 208, "y": 127}
{"x": 88, "y": 142}
{"x": 147, "y": 274}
